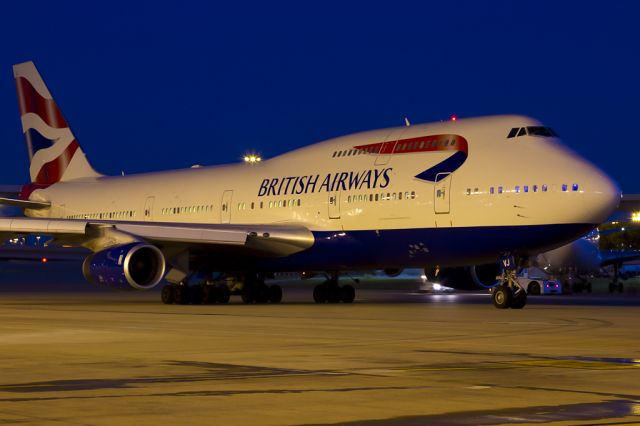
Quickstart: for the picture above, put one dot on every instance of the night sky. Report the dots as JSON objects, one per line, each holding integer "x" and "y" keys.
{"x": 160, "y": 85}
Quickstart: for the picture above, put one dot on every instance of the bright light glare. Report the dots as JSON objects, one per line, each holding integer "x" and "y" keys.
{"x": 454, "y": 118}
{"x": 635, "y": 216}
{"x": 252, "y": 158}
{"x": 437, "y": 287}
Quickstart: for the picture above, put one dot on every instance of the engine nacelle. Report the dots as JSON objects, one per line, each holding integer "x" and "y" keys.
{"x": 136, "y": 266}
{"x": 465, "y": 277}
{"x": 485, "y": 275}
{"x": 392, "y": 272}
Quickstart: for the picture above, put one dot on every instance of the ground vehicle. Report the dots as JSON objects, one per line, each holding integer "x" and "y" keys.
{"x": 536, "y": 281}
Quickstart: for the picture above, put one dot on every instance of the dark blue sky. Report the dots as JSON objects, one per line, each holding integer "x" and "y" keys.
{"x": 158, "y": 85}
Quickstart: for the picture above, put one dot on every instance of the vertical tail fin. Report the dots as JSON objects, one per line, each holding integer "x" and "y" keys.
{"x": 54, "y": 153}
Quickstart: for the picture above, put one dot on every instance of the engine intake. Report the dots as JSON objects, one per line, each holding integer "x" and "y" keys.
{"x": 136, "y": 266}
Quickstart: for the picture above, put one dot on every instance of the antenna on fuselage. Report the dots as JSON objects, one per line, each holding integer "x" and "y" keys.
{"x": 406, "y": 122}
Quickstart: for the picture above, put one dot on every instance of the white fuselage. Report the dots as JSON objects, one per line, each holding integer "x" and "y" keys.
{"x": 526, "y": 181}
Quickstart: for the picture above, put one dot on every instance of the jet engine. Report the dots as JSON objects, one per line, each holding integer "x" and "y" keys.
{"x": 392, "y": 272}
{"x": 465, "y": 277}
{"x": 136, "y": 266}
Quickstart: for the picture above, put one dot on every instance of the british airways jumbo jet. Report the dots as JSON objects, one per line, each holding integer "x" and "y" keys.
{"x": 434, "y": 196}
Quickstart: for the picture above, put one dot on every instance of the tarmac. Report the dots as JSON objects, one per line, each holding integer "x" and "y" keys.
{"x": 73, "y": 355}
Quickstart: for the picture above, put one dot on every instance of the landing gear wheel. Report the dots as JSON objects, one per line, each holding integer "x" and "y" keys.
{"x": 502, "y": 296}
{"x": 347, "y": 293}
{"x": 320, "y": 293}
{"x": 248, "y": 295}
{"x": 210, "y": 294}
{"x": 275, "y": 294}
{"x": 181, "y": 294}
{"x": 223, "y": 294}
{"x": 589, "y": 288}
{"x": 167, "y": 294}
{"x": 261, "y": 294}
{"x": 519, "y": 300}
{"x": 196, "y": 295}
{"x": 534, "y": 288}
{"x": 620, "y": 288}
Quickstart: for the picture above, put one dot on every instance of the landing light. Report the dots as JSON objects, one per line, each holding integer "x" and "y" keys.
{"x": 437, "y": 287}
{"x": 252, "y": 158}
{"x": 44, "y": 260}
{"x": 635, "y": 216}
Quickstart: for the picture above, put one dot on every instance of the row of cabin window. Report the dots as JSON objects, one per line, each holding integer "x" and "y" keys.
{"x": 271, "y": 204}
{"x": 382, "y": 197}
{"x": 349, "y": 152}
{"x": 525, "y": 189}
{"x": 126, "y": 214}
{"x": 187, "y": 209}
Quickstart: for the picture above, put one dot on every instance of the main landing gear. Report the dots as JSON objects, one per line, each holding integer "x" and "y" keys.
{"x": 200, "y": 294}
{"x": 251, "y": 287}
{"x": 509, "y": 294}
{"x": 330, "y": 291}
{"x": 254, "y": 290}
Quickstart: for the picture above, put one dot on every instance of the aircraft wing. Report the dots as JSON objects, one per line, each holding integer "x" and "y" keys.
{"x": 259, "y": 239}
{"x": 616, "y": 256}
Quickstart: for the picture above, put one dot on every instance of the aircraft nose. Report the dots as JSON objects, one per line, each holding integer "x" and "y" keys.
{"x": 603, "y": 195}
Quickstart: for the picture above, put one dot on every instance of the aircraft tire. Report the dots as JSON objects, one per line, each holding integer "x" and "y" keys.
{"x": 181, "y": 294}
{"x": 167, "y": 295}
{"x": 275, "y": 294}
{"x": 502, "y": 297}
{"x": 320, "y": 293}
{"x": 210, "y": 294}
{"x": 519, "y": 301}
{"x": 248, "y": 294}
{"x": 223, "y": 294}
{"x": 347, "y": 293}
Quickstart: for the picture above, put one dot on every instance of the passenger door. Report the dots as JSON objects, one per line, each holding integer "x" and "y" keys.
{"x": 334, "y": 205}
{"x": 148, "y": 209}
{"x": 441, "y": 196}
{"x": 225, "y": 208}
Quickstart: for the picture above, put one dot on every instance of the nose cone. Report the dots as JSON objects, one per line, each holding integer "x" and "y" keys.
{"x": 601, "y": 195}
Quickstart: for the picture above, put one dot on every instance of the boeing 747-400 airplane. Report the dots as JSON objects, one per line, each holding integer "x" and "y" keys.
{"x": 431, "y": 195}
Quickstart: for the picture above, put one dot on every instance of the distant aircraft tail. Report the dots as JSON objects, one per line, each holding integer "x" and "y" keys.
{"x": 54, "y": 153}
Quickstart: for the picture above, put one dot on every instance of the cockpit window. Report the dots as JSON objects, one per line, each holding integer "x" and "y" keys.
{"x": 540, "y": 131}
{"x": 546, "y": 132}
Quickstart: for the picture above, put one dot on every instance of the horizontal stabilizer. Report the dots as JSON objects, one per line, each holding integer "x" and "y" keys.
{"x": 24, "y": 204}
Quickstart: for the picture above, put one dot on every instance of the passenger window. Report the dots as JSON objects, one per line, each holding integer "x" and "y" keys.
{"x": 575, "y": 187}
{"x": 522, "y": 132}
{"x": 517, "y": 189}
{"x": 526, "y": 188}
{"x": 491, "y": 191}
{"x": 513, "y": 132}
{"x": 334, "y": 153}
{"x": 413, "y": 194}
{"x": 535, "y": 188}
{"x": 564, "y": 187}
{"x": 499, "y": 190}
{"x": 544, "y": 188}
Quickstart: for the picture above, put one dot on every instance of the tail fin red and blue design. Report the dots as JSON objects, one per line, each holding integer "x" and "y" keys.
{"x": 54, "y": 153}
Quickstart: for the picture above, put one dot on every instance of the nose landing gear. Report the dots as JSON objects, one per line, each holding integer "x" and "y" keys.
{"x": 509, "y": 294}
